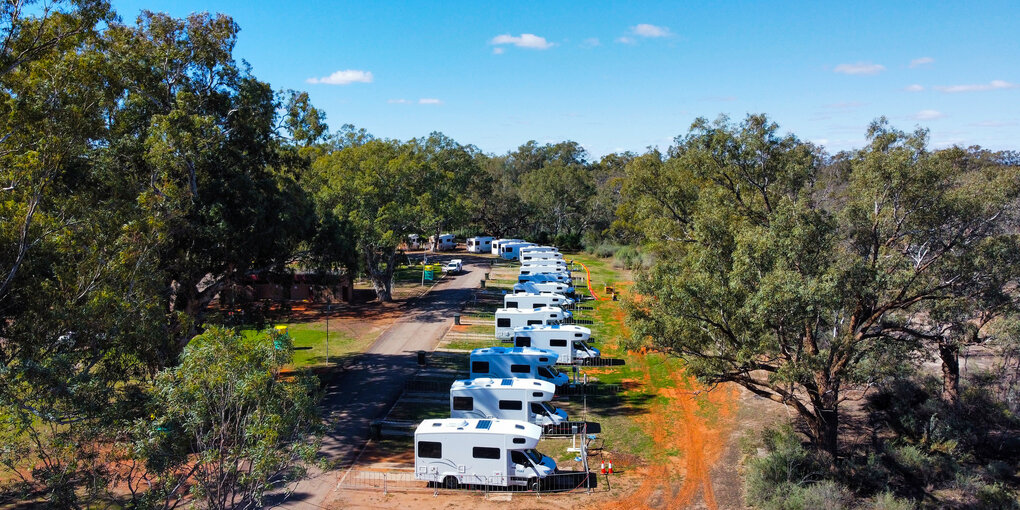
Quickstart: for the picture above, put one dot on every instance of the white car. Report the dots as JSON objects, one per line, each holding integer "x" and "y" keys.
{"x": 453, "y": 266}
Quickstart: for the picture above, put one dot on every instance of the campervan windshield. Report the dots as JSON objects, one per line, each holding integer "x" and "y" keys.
{"x": 582, "y": 346}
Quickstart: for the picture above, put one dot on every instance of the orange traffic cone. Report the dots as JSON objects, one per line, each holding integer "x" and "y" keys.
{"x": 603, "y": 469}
{"x": 610, "y": 467}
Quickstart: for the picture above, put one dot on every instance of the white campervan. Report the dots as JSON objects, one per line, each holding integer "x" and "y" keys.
{"x": 552, "y": 269}
{"x": 560, "y": 277}
{"x": 558, "y": 287}
{"x": 511, "y": 251}
{"x": 456, "y": 451}
{"x": 505, "y": 399}
{"x": 497, "y": 245}
{"x": 540, "y": 256}
{"x": 536, "y": 300}
{"x": 568, "y": 342}
{"x": 509, "y": 318}
{"x": 479, "y": 244}
{"x": 444, "y": 242}
{"x": 523, "y": 362}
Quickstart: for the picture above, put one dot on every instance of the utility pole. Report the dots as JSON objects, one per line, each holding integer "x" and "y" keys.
{"x": 329, "y": 308}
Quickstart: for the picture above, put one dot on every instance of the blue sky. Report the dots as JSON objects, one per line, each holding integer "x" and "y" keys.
{"x": 626, "y": 76}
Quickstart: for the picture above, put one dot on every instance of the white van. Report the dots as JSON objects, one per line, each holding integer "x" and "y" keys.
{"x": 536, "y": 300}
{"x": 568, "y": 342}
{"x": 445, "y": 242}
{"x": 479, "y": 244}
{"x": 497, "y": 245}
{"x": 453, "y": 266}
{"x": 510, "y": 251}
{"x": 505, "y": 399}
{"x": 558, "y": 287}
{"x": 456, "y": 451}
{"x": 526, "y": 257}
{"x": 523, "y": 362}
{"x": 551, "y": 269}
{"x": 560, "y": 277}
{"x": 509, "y": 318}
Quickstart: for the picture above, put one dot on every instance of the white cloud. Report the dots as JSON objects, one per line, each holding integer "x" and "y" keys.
{"x": 993, "y": 124}
{"x": 497, "y": 50}
{"x": 859, "y": 68}
{"x": 647, "y": 30}
{"x": 591, "y": 42}
{"x": 921, "y": 61}
{"x": 927, "y": 115}
{"x": 429, "y": 100}
{"x": 397, "y": 101}
{"x": 979, "y": 87}
{"x": 820, "y": 141}
{"x": 913, "y": 88}
{"x": 344, "y": 77}
{"x": 530, "y": 41}
{"x": 625, "y": 40}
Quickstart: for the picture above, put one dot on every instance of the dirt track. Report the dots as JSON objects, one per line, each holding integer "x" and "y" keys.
{"x": 369, "y": 387}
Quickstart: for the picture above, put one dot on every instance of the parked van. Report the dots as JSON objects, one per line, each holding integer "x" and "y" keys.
{"x": 567, "y": 341}
{"x": 561, "y": 277}
{"x": 509, "y": 318}
{"x": 539, "y": 249}
{"x": 479, "y": 244}
{"x": 553, "y": 269}
{"x": 529, "y": 300}
{"x": 505, "y": 399}
{"x": 526, "y": 257}
{"x": 510, "y": 251}
{"x": 559, "y": 287}
{"x": 456, "y": 451}
{"x": 522, "y": 362}
{"x": 445, "y": 242}
{"x": 497, "y": 245}
{"x": 453, "y": 266}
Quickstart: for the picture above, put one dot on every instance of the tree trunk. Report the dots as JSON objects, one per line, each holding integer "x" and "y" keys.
{"x": 949, "y": 352}
{"x": 382, "y": 278}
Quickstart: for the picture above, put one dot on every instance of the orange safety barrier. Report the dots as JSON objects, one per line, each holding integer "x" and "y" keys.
{"x": 587, "y": 275}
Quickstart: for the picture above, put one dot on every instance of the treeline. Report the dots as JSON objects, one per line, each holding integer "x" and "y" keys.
{"x": 143, "y": 170}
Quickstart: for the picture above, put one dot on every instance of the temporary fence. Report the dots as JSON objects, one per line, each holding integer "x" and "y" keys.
{"x": 404, "y": 480}
{"x": 570, "y": 390}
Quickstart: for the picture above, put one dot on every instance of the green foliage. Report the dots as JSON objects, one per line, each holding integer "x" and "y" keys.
{"x": 785, "y": 466}
{"x": 889, "y": 501}
{"x": 226, "y": 418}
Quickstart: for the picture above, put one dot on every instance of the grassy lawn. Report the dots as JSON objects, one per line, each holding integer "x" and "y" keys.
{"x": 471, "y": 344}
{"x": 310, "y": 342}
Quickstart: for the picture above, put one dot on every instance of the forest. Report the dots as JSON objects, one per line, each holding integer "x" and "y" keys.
{"x": 144, "y": 168}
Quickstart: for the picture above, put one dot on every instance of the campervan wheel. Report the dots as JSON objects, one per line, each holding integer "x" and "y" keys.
{"x": 450, "y": 482}
{"x": 533, "y": 484}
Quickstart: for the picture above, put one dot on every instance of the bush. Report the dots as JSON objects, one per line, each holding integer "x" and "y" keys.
{"x": 887, "y": 501}
{"x": 824, "y": 495}
{"x": 997, "y": 496}
{"x": 779, "y": 473}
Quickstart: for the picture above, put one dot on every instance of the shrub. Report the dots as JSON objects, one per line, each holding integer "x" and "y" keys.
{"x": 997, "y": 496}
{"x": 887, "y": 501}
{"x": 824, "y": 495}
{"x": 785, "y": 466}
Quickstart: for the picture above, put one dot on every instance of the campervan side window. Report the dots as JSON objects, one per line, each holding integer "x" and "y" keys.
{"x": 430, "y": 449}
{"x": 510, "y": 405}
{"x": 557, "y": 343}
{"x": 503, "y": 323}
{"x": 511, "y": 304}
{"x": 519, "y": 369}
{"x": 480, "y": 367}
{"x": 519, "y": 440}
{"x": 522, "y": 341}
{"x": 536, "y": 394}
{"x": 539, "y": 305}
{"x": 578, "y": 335}
{"x": 530, "y": 323}
{"x": 463, "y": 403}
{"x": 484, "y": 452}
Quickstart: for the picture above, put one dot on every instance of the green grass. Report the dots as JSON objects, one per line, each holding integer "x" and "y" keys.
{"x": 467, "y": 345}
{"x": 310, "y": 343}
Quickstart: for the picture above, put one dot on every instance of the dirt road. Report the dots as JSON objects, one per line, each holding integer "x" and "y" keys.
{"x": 370, "y": 387}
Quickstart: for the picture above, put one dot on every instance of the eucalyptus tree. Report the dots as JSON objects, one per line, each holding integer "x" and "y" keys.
{"x": 799, "y": 285}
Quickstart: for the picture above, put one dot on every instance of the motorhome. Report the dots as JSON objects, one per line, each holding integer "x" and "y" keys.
{"x": 540, "y": 249}
{"x": 559, "y": 287}
{"x": 540, "y": 256}
{"x": 444, "y": 242}
{"x": 555, "y": 276}
{"x": 527, "y": 300}
{"x": 456, "y": 451}
{"x": 532, "y": 269}
{"x": 509, "y": 318}
{"x": 567, "y": 341}
{"x": 497, "y": 245}
{"x": 453, "y": 266}
{"x": 559, "y": 263}
{"x": 413, "y": 242}
{"x": 505, "y": 399}
{"x": 510, "y": 251}
{"x": 522, "y": 362}
{"x": 479, "y": 244}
